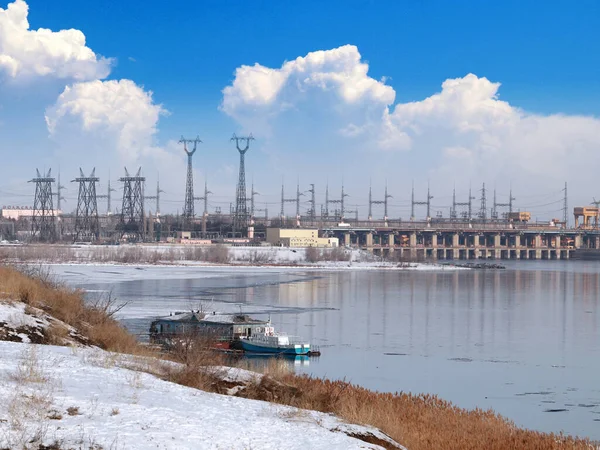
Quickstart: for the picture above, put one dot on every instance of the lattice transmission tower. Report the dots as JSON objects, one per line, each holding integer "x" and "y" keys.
{"x": 42, "y": 223}
{"x": 188, "y": 207}
{"x": 483, "y": 209}
{"x": 87, "y": 226}
{"x": 131, "y": 223}
{"x": 240, "y": 217}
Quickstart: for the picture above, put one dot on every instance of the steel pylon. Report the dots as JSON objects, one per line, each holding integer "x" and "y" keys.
{"x": 87, "y": 226}
{"x": 42, "y": 224}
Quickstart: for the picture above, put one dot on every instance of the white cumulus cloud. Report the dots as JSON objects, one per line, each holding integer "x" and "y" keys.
{"x": 120, "y": 109}
{"x": 42, "y": 52}
{"x": 339, "y": 70}
{"x": 259, "y": 95}
{"x": 468, "y": 121}
{"x": 463, "y": 132}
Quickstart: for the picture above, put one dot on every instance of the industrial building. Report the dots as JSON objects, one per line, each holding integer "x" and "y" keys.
{"x": 299, "y": 237}
{"x": 18, "y": 212}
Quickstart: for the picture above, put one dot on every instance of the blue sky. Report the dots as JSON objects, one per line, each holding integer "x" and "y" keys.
{"x": 543, "y": 54}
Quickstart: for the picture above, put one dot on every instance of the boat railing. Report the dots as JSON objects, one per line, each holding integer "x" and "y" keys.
{"x": 296, "y": 340}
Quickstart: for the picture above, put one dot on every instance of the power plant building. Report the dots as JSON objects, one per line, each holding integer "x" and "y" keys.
{"x": 299, "y": 237}
{"x": 18, "y": 212}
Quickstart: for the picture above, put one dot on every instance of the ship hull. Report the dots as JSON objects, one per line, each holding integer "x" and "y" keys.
{"x": 282, "y": 350}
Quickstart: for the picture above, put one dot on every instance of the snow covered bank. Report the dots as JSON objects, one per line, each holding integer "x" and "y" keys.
{"x": 24, "y": 323}
{"x": 80, "y": 398}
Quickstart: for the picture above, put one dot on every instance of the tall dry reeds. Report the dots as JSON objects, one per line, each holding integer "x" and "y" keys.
{"x": 419, "y": 421}
{"x": 124, "y": 254}
{"x": 35, "y": 288}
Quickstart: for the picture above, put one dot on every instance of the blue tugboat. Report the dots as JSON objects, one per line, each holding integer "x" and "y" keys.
{"x": 270, "y": 342}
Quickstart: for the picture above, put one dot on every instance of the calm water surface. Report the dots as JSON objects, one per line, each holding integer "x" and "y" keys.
{"x": 524, "y": 341}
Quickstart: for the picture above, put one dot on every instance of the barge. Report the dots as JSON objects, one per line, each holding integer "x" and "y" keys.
{"x": 227, "y": 332}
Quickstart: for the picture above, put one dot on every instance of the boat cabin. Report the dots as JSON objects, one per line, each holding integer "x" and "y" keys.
{"x": 217, "y": 325}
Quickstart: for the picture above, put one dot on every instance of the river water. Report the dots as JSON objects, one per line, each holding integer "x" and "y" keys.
{"x": 524, "y": 341}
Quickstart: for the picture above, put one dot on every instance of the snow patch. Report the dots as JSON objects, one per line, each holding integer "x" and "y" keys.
{"x": 23, "y": 323}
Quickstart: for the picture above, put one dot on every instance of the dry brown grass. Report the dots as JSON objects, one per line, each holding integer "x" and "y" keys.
{"x": 418, "y": 422}
{"x": 36, "y": 289}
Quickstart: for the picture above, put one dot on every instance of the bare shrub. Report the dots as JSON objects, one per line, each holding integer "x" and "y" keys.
{"x": 54, "y": 415}
{"x": 73, "y": 411}
{"x": 218, "y": 254}
{"x": 197, "y": 355}
{"x": 130, "y": 255}
{"x": 107, "y": 305}
{"x": 335, "y": 254}
{"x": 170, "y": 255}
{"x": 258, "y": 256}
{"x": 29, "y": 369}
{"x": 312, "y": 254}
{"x": 154, "y": 257}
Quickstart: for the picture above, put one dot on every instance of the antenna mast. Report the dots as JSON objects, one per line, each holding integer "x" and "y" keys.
{"x": 565, "y": 208}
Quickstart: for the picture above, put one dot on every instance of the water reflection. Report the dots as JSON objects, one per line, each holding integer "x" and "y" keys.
{"x": 264, "y": 363}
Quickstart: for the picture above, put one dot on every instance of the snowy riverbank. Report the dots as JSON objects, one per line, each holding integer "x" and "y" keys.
{"x": 81, "y": 397}
{"x": 84, "y": 397}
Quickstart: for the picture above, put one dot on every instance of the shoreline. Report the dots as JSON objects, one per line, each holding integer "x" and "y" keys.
{"x": 318, "y": 267}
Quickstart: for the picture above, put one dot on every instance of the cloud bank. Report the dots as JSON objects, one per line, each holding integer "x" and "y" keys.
{"x": 118, "y": 108}
{"x": 464, "y": 131}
